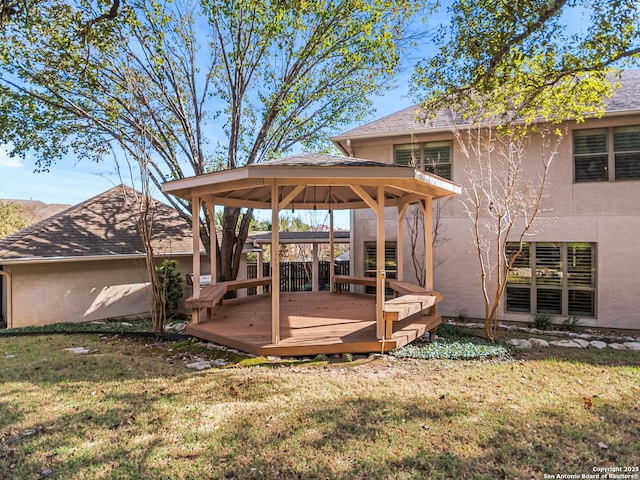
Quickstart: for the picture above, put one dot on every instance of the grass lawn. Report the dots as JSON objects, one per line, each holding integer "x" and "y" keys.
{"x": 130, "y": 409}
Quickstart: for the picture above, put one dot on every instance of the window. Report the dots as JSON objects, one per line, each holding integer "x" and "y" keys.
{"x": 626, "y": 145}
{"x": 557, "y": 278}
{"x": 432, "y": 157}
{"x": 390, "y": 263}
{"x": 605, "y": 154}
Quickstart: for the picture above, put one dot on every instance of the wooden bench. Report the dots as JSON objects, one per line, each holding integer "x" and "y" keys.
{"x": 405, "y": 288}
{"x": 212, "y": 295}
{"x": 412, "y": 299}
{"x": 340, "y": 280}
{"x": 404, "y": 306}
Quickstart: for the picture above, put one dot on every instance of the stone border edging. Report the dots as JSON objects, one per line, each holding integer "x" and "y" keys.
{"x": 573, "y": 340}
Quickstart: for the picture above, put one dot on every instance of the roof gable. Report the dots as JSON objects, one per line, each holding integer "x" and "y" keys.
{"x": 101, "y": 226}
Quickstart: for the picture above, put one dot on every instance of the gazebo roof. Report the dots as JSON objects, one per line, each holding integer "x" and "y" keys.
{"x": 312, "y": 180}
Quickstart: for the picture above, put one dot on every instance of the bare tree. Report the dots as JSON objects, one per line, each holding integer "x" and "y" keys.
{"x": 507, "y": 171}
{"x": 415, "y": 222}
{"x": 415, "y": 227}
{"x": 142, "y": 206}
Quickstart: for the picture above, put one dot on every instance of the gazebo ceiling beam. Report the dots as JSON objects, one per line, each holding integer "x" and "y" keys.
{"x": 408, "y": 199}
{"x": 424, "y": 191}
{"x": 368, "y": 199}
{"x": 291, "y": 196}
{"x": 338, "y": 196}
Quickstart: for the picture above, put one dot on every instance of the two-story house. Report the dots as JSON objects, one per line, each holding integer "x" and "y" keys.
{"x": 583, "y": 261}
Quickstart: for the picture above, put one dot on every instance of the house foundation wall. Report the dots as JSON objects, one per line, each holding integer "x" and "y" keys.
{"x": 48, "y": 293}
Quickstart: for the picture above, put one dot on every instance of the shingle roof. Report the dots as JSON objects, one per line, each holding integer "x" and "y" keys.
{"x": 325, "y": 160}
{"x": 101, "y": 226}
{"x": 626, "y": 98}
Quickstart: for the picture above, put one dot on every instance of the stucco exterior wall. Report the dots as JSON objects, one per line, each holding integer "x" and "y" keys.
{"x": 47, "y": 293}
{"x": 605, "y": 213}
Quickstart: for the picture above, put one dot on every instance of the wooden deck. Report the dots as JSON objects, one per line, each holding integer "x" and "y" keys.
{"x": 311, "y": 323}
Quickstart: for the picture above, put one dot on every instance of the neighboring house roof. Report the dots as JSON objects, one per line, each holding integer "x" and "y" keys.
{"x": 625, "y": 99}
{"x": 103, "y": 226}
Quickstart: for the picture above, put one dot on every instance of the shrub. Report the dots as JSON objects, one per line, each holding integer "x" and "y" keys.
{"x": 571, "y": 322}
{"x": 542, "y": 321}
{"x": 171, "y": 280}
{"x": 452, "y": 332}
{"x": 452, "y": 350}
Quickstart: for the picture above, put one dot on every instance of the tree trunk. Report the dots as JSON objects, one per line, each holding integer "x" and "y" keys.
{"x": 235, "y": 230}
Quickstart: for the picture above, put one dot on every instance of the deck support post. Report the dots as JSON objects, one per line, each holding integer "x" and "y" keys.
{"x": 380, "y": 264}
{"x": 427, "y": 209}
{"x": 402, "y": 211}
{"x": 211, "y": 209}
{"x": 275, "y": 264}
{"x": 332, "y": 253}
{"x": 195, "y": 215}
{"x": 213, "y": 241}
{"x": 315, "y": 269}
{"x": 260, "y": 268}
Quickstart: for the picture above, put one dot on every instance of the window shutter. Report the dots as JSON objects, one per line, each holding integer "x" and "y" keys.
{"x": 520, "y": 272}
{"x": 591, "y": 160}
{"x": 437, "y": 158}
{"x": 562, "y": 271}
{"x": 581, "y": 273}
{"x": 549, "y": 264}
{"x": 407, "y": 155}
{"x": 590, "y": 141}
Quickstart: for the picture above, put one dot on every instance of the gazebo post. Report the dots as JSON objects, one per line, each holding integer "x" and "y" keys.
{"x": 402, "y": 211}
{"x": 213, "y": 236}
{"x": 332, "y": 267}
{"x": 427, "y": 207}
{"x": 260, "y": 268}
{"x": 380, "y": 264}
{"x": 315, "y": 277}
{"x": 195, "y": 215}
{"x": 275, "y": 264}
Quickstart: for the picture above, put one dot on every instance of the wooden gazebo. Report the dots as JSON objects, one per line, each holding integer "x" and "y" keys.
{"x": 323, "y": 182}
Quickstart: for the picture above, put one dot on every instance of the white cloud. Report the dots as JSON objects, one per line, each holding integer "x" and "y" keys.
{"x": 9, "y": 162}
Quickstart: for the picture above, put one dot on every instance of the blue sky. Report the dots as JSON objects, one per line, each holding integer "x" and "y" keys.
{"x": 70, "y": 181}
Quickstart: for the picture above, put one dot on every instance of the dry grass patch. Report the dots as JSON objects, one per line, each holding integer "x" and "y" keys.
{"x": 127, "y": 410}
